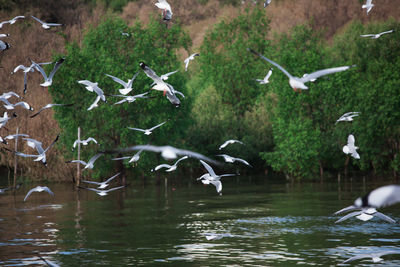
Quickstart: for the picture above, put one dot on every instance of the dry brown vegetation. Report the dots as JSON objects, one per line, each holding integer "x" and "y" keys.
{"x": 29, "y": 40}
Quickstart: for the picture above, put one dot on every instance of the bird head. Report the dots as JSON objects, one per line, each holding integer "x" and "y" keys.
{"x": 142, "y": 65}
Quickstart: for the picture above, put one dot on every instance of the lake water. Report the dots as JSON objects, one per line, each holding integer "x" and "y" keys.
{"x": 261, "y": 224}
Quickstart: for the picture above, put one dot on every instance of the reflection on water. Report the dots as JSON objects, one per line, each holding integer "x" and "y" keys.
{"x": 252, "y": 224}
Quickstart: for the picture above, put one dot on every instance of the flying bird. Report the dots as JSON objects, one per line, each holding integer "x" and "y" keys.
{"x": 84, "y": 142}
{"x": 38, "y": 189}
{"x": 134, "y": 158}
{"x": 93, "y": 87}
{"x": 104, "y": 184}
{"x": 41, "y": 156}
{"x": 4, "y": 46}
{"x": 350, "y": 148}
{"x": 376, "y": 257}
{"x": 170, "y": 168}
{"x": 89, "y": 164}
{"x": 298, "y": 83}
{"x": 10, "y": 106}
{"x": 230, "y": 159}
{"x": 147, "y": 131}
{"x": 130, "y": 98}
{"x": 266, "y": 78}
{"x": 103, "y": 192}
{"x": 48, "y": 80}
{"x": 348, "y": 116}
{"x": 191, "y": 57}
{"x": 212, "y": 178}
{"x": 50, "y": 106}
{"x": 166, "y": 8}
{"x": 46, "y": 25}
{"x": 376, "y": 36}
{"x": 127, "y": 85}
{"x": 232, "y": 141}
{"x": 368, "y": 5}
{"x": 11, "y": 21}
{"x": 363, "y": 214}
{"x": 5, "y": 118}
{"x": 26, "y": 70}
{"x": 266, "y": 3}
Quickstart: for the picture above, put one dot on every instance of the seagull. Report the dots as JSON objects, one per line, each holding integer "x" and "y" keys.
{"x": 5, "y": 119}
{"x": 14, "y": 136}
{"x": 130, "y": 99}
{"x": 368, "y": 5}
{"x": 48, "y": 80}
{"x": 348, "y": 116}
{"x": 2, "y": 35}
{"x": 230, "y": 159}
{"x": 212, "y": 236}
{"x": 90, "y": 163}
{"x": 212, "y": 178}
{"x": 41, "y": 156}
{"x": 93, "y": 87}
{"x": 50, "y": 106}
{"x": 266, "y": 78}
{"x": 31, "y": 68}
{"x": 10, "y": 106}
{"x": 298, "y": 83}
{"x": 11, "y": 21}
{"x": 376, "y": 36}
{"x": 165, "y": 76}
{"x": 4, "y": 46}
{"x": 9, "y": 94}
{"x": 167, "y": 12}
{"x": 350, "y": 148}
{"x": 38, "y": 189}
{"x": 232, "y": 141}
{"x": 95, "y": 103}
{"x": 147, "y": 131}
{"x": 160, "y": 84}
{"x": 376, "y": 257}
{"x": 84, "y": 142}
{"x": 191, "y": 57}
{"x": 103, "y": 192}
{"x": 266, "y": 3}
{"x": 127, "y": 85}
{"x": 170, "y": 168}
{"x": 134, "y": 158}
{"x": 102, "y": 185}
{"x": 363, "y": 214}
{"x": 167, "y": 152}
{"x": 46, "y": 25}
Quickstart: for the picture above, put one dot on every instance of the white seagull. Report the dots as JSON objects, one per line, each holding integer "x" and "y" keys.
{"x": 9, "y": 94}
{"x": 26, "y": 70}
{"x": 10, "y": 106}
{"x": 104, "y": 184}
{"x": 134, "y": 158}
{"x": 49, "y": 106}
{"x": 5, "y": 119}
{"x": 212, "y": 178}
{"x": 376, "y": 257}
{"x": 350, "y": 148}
{"x": 93, "y": 87}
{"x": 147, "y": 131}
{"x": 95, "y": 104}
{"x": 41, "y": 156}
{"x": 266, "y": 78}
{"x": 266, "y": 3}
{"x": 160, "y": 85}
{"x": 348, "y": 116}
{"x": 38, "y": 189}
{"x": 103, "y": 192}
{"x": 230, "y": 159}
{"x": 89, "y": 164}
{"x": 84, "y": 142}
{"x": 11, "y": 21}
{"x": 376, "y": 36}
{"x": 46, "y": 25}
{"x": 298, "y": 83}
{"x": 232, "y": 141}
{"x": 48, "y": 80}
{"x": 170, "y": 168}
{"x": 167, "y": 152}
{"x": 368, "y": 5}
{"x": 4, "y": 46}
{"x": 191, "y": 57}
{"x": 130, "y": 98}
{"x": 363, "y": 214}
{"x": 167, "y": 11}
{"x": 127, "y": 85}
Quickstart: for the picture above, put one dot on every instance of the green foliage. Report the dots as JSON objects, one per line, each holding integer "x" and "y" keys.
{"x": 105, "y": 50}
